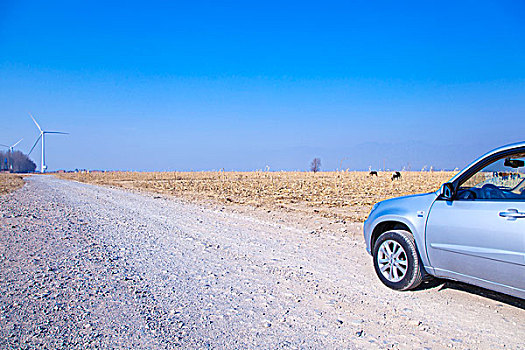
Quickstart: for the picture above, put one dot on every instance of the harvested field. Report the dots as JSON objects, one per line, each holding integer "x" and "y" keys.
{"x": 345, "y": 196}
{"x": 10, "y": 182}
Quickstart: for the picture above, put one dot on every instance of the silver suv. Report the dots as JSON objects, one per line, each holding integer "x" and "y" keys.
{"x": 471, "y": 230}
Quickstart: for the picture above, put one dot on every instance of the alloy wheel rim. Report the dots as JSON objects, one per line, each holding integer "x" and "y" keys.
{"x": 392, "y": 260}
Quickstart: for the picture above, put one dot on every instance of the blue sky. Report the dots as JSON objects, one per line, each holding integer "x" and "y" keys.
{"x": 166, "y": 85}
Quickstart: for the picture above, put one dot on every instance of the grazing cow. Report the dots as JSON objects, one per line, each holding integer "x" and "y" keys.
{"x": 372, "y": 173}
{"x": 396, "y": 175}
{"x": 504, "y": 176}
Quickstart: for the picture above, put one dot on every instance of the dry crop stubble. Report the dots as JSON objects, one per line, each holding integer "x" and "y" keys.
{"x": 339, "y": 195}
{"x": 10, "y": 182}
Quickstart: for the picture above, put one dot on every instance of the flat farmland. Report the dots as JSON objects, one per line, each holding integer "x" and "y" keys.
{"x": 94, "y": 267}
{"x": 345, "y": 196}
{"x": 10, "y": 182}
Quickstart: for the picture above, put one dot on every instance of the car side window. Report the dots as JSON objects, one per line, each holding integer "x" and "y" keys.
{"x": 503, "y": 179}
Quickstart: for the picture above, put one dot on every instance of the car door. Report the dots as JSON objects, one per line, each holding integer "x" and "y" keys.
{"x": 481, "y": 240}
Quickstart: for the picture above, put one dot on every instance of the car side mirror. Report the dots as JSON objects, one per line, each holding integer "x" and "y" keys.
{"x": 447, "y": 191}
{"x": 514, "y": 163}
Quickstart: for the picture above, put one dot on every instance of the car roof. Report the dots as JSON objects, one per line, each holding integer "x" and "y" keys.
{"x": 508, "y": 147}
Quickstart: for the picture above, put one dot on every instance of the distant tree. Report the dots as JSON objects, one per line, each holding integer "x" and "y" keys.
{"x": 315, "y": 166}
{"x": 16, "y": 162}
{"x": 4, "y": 165}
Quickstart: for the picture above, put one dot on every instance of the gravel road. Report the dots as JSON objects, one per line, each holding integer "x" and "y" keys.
{"x": 92, "y": 267}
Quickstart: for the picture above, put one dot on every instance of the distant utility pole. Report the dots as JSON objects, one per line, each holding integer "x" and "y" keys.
{"x": 341, "y": 166}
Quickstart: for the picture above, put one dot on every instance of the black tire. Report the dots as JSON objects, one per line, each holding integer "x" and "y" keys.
{"x": 409, "y": 257}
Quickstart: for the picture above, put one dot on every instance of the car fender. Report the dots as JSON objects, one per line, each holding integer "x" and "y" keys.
{"x": 414, "y": 216}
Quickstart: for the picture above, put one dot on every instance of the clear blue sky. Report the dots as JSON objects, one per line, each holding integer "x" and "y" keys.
{"x": 167, "y": 85}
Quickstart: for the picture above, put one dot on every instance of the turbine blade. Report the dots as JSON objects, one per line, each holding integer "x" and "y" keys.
{"x": 32, "y": 148}
{"x": 17, "y": 143}
{"x": 38, "y": 126}
{"x": 4, "y": 145}
{"x": 56, "y": 132}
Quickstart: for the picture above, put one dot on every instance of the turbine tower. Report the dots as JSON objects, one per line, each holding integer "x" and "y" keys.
{"x": 9, "y": 152}
{"x": 42, "y": 136}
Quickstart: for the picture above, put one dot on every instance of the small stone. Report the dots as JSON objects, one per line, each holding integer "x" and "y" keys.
{"x": 414, "y": 323}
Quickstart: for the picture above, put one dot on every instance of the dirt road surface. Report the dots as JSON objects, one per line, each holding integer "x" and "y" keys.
{"x": 92, "y": 267}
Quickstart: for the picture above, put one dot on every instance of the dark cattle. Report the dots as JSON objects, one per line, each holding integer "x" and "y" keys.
{"x": 396, "y": 175}
{"x": 504, "y": 176}
{"x": 372, "y": 173}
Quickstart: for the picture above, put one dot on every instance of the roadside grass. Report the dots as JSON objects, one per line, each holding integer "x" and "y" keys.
{"x": 346, "y": 196}
{"x": 10, "y": 182}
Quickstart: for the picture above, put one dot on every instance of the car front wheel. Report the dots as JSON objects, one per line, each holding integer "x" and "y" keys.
{"x": 396, "y": 260}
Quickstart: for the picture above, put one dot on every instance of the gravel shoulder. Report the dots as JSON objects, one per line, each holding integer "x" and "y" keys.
{"x": 93, "y": 267}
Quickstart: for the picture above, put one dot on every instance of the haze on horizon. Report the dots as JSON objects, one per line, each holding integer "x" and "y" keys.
{"x": 240, "y": 86}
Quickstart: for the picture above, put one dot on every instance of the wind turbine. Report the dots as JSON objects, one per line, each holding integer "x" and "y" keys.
{"x": 42, "y": 136}
{"x": 10, "y": 151}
